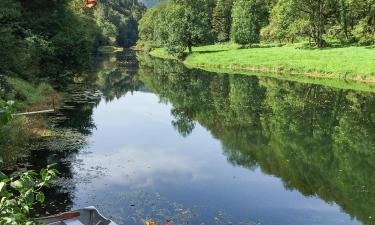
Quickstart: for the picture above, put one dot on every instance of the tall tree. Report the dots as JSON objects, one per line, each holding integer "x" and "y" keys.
{"x": 222, "y": 19}
{"x": 184, "y": 24}
{"x": 11, "y": 44}
{"x": 151, "y": 26}
{"x": 249, "y": 16}
{"x": 363, "y": 19}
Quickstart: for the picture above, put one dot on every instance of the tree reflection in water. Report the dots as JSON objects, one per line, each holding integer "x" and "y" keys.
{"x": 318, "y": 140}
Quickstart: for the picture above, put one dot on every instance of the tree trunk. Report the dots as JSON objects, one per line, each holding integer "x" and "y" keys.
{"x": 319, "y": 42}
{"x": 190, "y": 48}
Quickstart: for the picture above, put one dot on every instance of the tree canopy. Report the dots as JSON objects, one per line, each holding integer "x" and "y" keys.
{"x": 251, "y": 21}
{"x": 38, "y": 44}
{"x": 177, "y": 25}
{"x": 249, "y": 16}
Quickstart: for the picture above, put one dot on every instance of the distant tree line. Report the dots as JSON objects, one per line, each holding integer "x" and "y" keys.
{"x": 180, "y": 24}
{"x": 118, "y": 21}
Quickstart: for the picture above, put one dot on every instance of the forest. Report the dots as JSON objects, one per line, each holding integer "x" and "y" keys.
{"x": 180, "y": 25}
{"x": 48, "y": 45}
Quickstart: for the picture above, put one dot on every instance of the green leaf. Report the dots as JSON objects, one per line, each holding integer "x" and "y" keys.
{"x": 28, "y": 182}
{"x": 29, "y": 197}
{"x": 16, "y": 185}
{"x": 2, "y": 186}
{"x": 43, "y": 174}
{"x": 26, "y": 208}
{"x": 51, "y": 166}
{"x": 40, "y": 197}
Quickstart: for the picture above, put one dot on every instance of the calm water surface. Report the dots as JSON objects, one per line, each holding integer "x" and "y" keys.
{"x": 169, "y": 143}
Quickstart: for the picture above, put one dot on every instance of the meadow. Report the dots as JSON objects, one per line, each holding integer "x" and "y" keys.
{"x": 343, "y": 63}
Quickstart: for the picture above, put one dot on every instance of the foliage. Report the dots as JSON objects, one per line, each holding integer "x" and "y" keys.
{"x": 56, "y": 47}
{"x": 285, "y": 24}
{"x": 248, "y": 18}
{"x": 222, "y": 20}
{"x": 117, "y": 21}
{"x": 14, "y": 138}
{"x": 177, "y": 25}
{"x": 348, "y": 21}
{"x": 151, "y": 26}
{"x": 19, "y": 194}
{"x": 43, "y": 41}
{"x": 7, "y": 110}
{"x": 49, "y": 43}
{"x": 345, "y": 21}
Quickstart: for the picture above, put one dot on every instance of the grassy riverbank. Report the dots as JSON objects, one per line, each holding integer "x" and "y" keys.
{"x": 353, "y": 64}
{"x": 16, "y": 132}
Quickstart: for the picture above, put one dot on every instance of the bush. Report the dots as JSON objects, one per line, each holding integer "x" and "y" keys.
{"x": 19, "y": 194}
{"x": 6, "y": 111}
{"x": 362, "y": 34}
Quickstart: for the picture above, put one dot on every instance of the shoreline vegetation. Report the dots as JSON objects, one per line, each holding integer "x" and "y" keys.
{"x": 329, "y": 39}
{"x": 346, "y": 67}
{"x": 40, "y": 57}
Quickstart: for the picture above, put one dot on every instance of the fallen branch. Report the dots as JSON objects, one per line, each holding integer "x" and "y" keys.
{"x": 32, "y": 113}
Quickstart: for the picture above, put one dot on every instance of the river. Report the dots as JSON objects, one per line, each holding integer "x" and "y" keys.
{"x": 164, "y": 142}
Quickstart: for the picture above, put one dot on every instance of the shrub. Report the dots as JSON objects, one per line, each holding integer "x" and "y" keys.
{"x": 19, "y": 194}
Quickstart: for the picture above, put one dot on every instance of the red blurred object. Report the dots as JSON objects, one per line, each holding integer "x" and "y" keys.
{"x": 90, "y": 3}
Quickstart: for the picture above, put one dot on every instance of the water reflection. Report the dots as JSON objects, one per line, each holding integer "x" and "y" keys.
{"x": 318, "y": 140}
{"x": 159, "y": 136}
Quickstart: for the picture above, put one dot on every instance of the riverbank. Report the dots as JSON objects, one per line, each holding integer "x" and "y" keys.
{"x": 347, "y": 64}
{"x": 16, "y": 131}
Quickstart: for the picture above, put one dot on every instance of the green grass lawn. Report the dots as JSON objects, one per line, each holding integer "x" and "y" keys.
{"x": 348, "y": 63}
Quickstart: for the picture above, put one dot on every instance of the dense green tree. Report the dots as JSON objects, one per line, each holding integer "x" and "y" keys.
{"x": 222, "y": 20}
{"x": 355, "y": 21}
{"x": 151, "y": 26}
{"x": 11, "y": 44}
{"x": 195, "y": 23}
{"x": 38, "y": 44}
{"x": 249, "y": 16}
{"x": 291, "y": 18}
{"x": 177, "y": 25}
{"x": 285, "y": 23}
{"x": 118, "y": 21}
{"x": 344, "y": 18}
{"x": 363, "y": 20}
